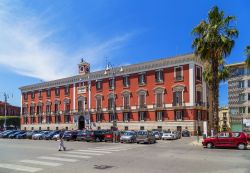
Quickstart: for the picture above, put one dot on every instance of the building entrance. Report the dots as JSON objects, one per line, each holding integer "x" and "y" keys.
{"x": 81, "y": 123}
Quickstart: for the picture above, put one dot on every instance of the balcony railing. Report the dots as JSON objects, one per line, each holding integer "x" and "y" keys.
{"x": 200, "y": 104}
{"x": 159, "y": 106}
{"x": 126, "y": 108}
{"x": 141, "y": 107}
{"x": 177, "y": 104}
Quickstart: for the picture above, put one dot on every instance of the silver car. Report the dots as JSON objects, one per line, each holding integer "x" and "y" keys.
{"x": 144, "y": 136}
{"x": 169, "y": 135}
{"x": 128, "y": 136}
{"x": 157, "y": 135}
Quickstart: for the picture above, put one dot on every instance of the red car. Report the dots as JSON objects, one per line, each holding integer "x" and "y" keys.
{"x": 227, "y": 139}
{"x": 108, "y": 136}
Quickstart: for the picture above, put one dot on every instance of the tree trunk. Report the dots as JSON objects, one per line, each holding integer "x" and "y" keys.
{"x": 215, "y": 92}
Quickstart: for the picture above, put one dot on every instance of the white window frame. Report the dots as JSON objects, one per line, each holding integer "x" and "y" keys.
{"x": 126, "y": 94}
{"x": 198, "y": 67}
{"x": 181, "y": 71}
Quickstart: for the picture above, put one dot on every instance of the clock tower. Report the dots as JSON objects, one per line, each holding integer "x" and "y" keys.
{"x": 83, "y": 67}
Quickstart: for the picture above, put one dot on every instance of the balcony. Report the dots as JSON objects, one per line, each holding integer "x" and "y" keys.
{"x": 142, "y": 107}
{"x": 56, "y": 112}
{"x": 81, "y": 90}
{"x": 66, "y": 112}
{"x": 126, "y": 108}
{"x": 159, "y": 106}
{"x": 200, "y": 104}
{"x": 99, "y": 109}
{"x": 111, "y": 109}
{"x": 177, "y": 105}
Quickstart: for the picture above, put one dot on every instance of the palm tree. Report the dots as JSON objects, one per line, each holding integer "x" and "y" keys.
{"x": 213, "y": 42}
{"x": 247, "y": 53}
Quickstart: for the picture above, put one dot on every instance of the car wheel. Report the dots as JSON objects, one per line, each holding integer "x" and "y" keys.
{"x": 209, "y": 145}
{"x": 241, "y": 146}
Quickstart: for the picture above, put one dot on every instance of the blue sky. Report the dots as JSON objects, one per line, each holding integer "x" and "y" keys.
{"x": 44, "y": 40}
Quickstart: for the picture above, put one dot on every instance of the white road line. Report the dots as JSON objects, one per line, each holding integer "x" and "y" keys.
{"x": 95, "y": 151}
{"x": 58, "y": 159}
{"x": 102, "y": 149}
{"x": 72, "y": 155}
{"x": 36, "y": 162}
{"x": 85, "y": 153}
{"x": 19, "y": 167}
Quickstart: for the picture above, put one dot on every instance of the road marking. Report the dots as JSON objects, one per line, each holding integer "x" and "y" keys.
{"x": 72, "y": 155}
{"x": 36, "y": 162}
{"x": 103, "y": 149}
{"x": 85, "y": 153}
{"x": 58, "y": 159}
{"x": 95, "y": 151}
{"x": 19, "y": 167}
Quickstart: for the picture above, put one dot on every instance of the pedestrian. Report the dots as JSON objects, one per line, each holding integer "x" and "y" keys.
{"x": 61, "y": 144}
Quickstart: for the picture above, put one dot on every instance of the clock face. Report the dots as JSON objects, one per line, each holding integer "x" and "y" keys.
{"x": 86, "y": 69}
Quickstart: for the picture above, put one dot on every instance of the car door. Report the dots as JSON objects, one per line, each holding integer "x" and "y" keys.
{"x": 223, "y": 139}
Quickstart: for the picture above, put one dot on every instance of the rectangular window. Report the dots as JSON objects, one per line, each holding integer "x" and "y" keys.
{"x": 241, "y": 84}
{"x": 112, "y": 83}
{"x": 248, "y": 96}
{"x": 159, "y": 76}
{"x": 57, "y": 92}
{"x": 198, "y": 97}
{"x": 48, "y": 109}
{"x": 142, "y": 116}
{"x": 198, "y": 73}
{"x": 141, "y": 79}
{"x": 32, "y": 120}
{"x": 248, "y": 83}
{"x": 198, "y": 115}
{"x": 98, "y": 117}
{"x": 48, "y": 119}
{"x": 48, "y": 93}
{"x": 112, "y": 117}
{"x": 159, "y": 116}
{"x": 56, "y": 108}
{"x": 40, "y": 94}
{"x": 159, "y": 102}
{"x": 177, "y": 98}
{"x": 67, "y": 108}
{"x": 242, "y": 97}
{"x": 39, "y": 109}
{"x": 66, "y": 118}
{"x": 32, "y": 110}
{"x": 126, "y": 117}
{"x": 40, "y": 119}
{"x": 111, "y": 104}
{"x": 142, "y": 101}
{"x": 249, "y": 110}
{"x": 126, "y": 101}
{"x": 32, "y": 95}
{"x": 25, "y": 96}
{"x": 66, "y": 90}
{"x": 178, "y": 73}
{"x": 242, "y": 110}
{"x": 26, "y": 121}
{"x": 178, "y": 115}
{"x": 126, "y": 82}
{"x": 99, "y": 103}
{"x": 80, "y": 106}
{"x": 57, "y": 119}
{"x": 98, "y": 85}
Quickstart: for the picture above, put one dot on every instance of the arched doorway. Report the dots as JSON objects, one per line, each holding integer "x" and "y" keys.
{"x": 81, "y": 123}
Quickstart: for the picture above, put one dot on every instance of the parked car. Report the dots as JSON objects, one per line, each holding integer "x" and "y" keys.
{"x": 185, "y": 133}
{"x": 96, "y": 136}
{"x": 50, "y": 135}
{"x": 144, "y": 136}
{"x": 70, "y": 135}
{"x": 157, "y": 135}
{"x": 13, "y": 135}
{"x": 81, "y": 135}
{"x": 4, "y": 132}
{"x": 169, "y": 135}
{"x": 21, "y": 135}
{"x": 128, "y": 136}
{"x": 227, "y": 139}
{"x": 109, "y": 136}
{"x": 31, "y": 133}
{"x": 7, "y": 134}
{"x": 248, "y": 137}
{"x": 56, "y": 136}
{"x": 39, "y": 136}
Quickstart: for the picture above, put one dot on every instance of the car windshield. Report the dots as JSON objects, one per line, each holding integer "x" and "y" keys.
{"x": 128, "y": 133}
{"x": 142, "y": 133}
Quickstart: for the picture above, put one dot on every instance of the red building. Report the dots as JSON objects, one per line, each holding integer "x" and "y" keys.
{"x": 10, "y": 110}
{"x": 168, "y": 93}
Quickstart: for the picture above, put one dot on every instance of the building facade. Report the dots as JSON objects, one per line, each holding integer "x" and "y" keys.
{"x": 10, "y": 109}
{"x": 224, "y": 119}
{"x": 168, "y": 93}
{"x": 239, "y": 97}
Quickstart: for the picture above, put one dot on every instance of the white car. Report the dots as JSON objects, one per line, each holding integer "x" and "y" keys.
{"x": 169, "y": 135}
{"x": 39, "y": 136}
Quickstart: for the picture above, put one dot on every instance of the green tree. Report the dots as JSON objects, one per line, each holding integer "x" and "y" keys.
{"x": 213, "y": 42}
{"x": 247, "y": 53}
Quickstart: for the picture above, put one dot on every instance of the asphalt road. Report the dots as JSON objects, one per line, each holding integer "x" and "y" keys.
{"x": 180, "y": 156}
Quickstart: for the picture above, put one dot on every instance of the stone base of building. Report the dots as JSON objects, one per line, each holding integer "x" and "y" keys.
{"x": 174, "y": 125}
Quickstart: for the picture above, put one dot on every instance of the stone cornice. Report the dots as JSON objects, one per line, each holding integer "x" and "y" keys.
{"x": 130, "y": 69}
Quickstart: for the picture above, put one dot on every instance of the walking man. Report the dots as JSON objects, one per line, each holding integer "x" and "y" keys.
{"x": 61, "y": 145}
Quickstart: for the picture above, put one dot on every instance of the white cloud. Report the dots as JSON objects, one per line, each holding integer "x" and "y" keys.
{"x": 25, "y": 49}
